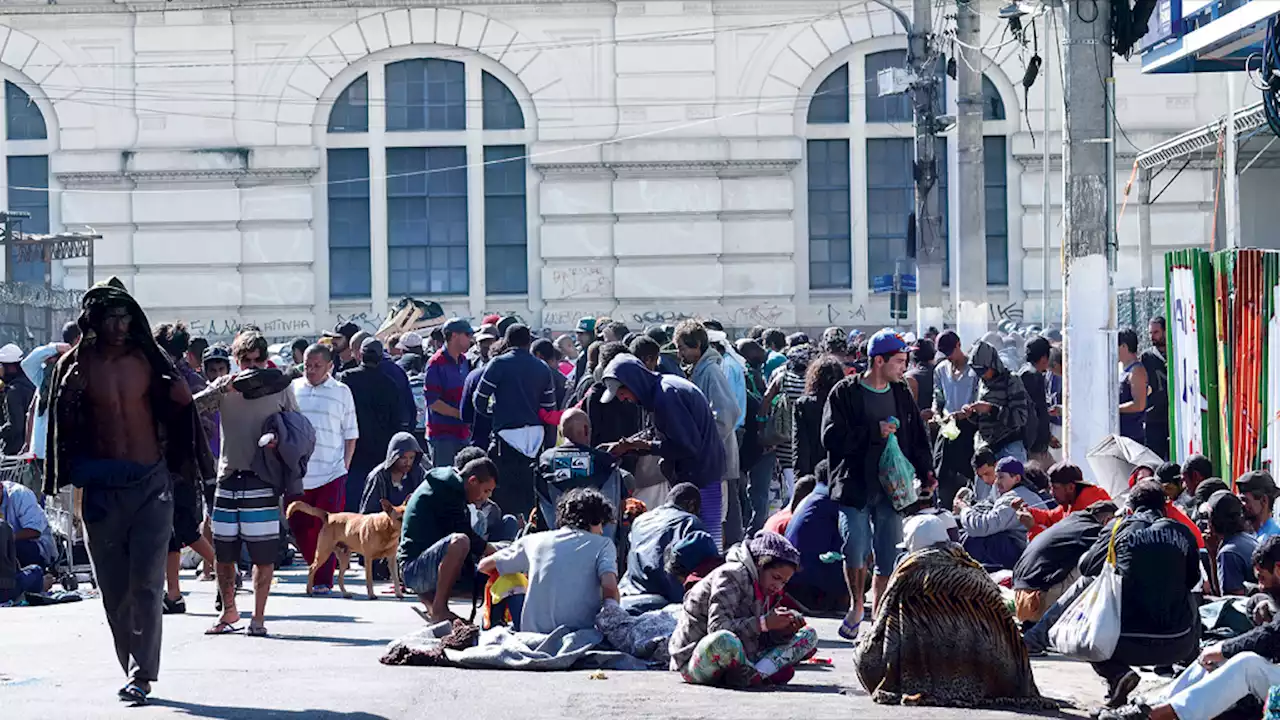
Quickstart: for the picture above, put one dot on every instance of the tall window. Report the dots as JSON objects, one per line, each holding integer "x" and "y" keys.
{"x": 887, "y": 125}
{"x": 433, "y": 138}
{"x": 26, "y": 173}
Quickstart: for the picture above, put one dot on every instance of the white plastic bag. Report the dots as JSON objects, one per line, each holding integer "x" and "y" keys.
{"x": 1090, "y": 628}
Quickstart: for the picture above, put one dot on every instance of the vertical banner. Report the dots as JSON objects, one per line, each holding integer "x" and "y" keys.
{"x": 1271, "y": 445}
{"x": 1192, "y": 356}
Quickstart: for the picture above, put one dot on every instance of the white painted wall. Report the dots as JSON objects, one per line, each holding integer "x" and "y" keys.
{"x": 667, "y": 162}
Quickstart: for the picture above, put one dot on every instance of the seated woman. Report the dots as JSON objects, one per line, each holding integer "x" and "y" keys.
{"x": 732, "y": 631}
{"x": 943, "y": 635}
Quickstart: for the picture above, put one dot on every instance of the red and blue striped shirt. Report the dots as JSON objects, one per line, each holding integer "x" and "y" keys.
{"x": 444, "y": 379}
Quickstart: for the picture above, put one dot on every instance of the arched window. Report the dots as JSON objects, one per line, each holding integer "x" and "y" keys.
{"x": 26, "y": 173}
{"x": 887, "y": 164}
{"x": 414, "y": 157}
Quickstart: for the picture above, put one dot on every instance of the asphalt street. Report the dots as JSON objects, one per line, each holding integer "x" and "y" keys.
{"x": 321, "y": 661}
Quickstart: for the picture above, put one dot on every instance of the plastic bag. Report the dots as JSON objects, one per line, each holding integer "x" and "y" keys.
{"x": 1090, "y": 628}
{"x": 897, "y": 474}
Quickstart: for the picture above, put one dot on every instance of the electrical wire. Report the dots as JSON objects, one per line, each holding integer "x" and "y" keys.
{"x": 1271, "y": 76}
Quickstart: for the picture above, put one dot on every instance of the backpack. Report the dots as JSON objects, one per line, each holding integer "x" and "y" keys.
{"x": 417, "y": 384}
{"x": 781, "y": 421}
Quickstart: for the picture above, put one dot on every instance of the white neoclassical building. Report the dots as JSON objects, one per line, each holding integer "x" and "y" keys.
{"x": 291, "y": 164}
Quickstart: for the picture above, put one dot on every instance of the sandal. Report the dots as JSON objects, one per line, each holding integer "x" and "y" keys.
{"x": 174, "y": 607}
{"x": 134, "y": 695}
{"x": 223, "y": 628}
{"x": 258, "y": 631}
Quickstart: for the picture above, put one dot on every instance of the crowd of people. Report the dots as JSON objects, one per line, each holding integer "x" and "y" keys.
{"x": 750, "y": 482}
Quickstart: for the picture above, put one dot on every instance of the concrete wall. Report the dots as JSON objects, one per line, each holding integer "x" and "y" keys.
{"x": 666, "y": 140}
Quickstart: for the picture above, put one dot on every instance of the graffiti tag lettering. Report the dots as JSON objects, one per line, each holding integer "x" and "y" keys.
{"x": 580, "y": 281}
{"x": 660, "y": 317}
{"x": 216, "y": 328}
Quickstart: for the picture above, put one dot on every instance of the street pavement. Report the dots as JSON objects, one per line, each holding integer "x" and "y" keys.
{"x": 321, "y": 661}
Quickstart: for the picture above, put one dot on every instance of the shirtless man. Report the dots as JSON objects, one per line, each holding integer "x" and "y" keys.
{"x": 120, "y": 411}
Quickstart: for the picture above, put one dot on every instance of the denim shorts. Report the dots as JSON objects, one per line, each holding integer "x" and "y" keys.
{"x": 423, "y": 572}
{"x": 877, "y": 527}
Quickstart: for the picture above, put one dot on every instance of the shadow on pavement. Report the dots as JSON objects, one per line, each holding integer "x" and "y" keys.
{"x": 314, "y": 618}
{"x": 350, "y": 642}
{"x": 222, "y": 712}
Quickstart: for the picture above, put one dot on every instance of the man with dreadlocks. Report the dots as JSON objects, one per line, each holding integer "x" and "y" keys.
{"x": 123, "y": 429}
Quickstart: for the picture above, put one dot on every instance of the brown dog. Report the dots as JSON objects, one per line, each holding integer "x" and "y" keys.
{"x": 373, "y": 536}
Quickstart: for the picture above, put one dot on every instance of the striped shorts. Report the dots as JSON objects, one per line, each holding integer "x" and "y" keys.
{"x": 246, "y": 509}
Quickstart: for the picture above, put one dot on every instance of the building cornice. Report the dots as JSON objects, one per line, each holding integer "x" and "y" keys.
{"x": 132, "y": 178}
{"x": 668, "y": 169}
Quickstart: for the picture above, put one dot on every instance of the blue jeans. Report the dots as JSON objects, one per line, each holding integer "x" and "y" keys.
{"x": 443, "y": 449}
{"x": 759, "y": 476}
{"x": 1015, "y": 450}
{"x": 421, "y": 574}
{"x": 876, "y": 527}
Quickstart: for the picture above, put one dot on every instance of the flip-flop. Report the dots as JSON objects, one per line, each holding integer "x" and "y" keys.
{"x": 134, "y": 695}
{"x": 849, "y": 631}
{"x": 223, "y": 628}
{"x": 258, "y": 631}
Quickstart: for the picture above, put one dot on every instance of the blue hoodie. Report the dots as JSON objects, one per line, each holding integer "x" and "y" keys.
{"x": 689, "y": 442}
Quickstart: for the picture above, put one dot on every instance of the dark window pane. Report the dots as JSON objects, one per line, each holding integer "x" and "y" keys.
{"x": 830, "y": 103}
{"x": 997, "y": 210}
{"x": 350, "y": 113}
{"x": 891, "y": 200}
{"x": 349, "y": 272}
{"x": 992, "y": 103}
{"x": 506, "y": 240}
{"x": 29, "y": 172}
{"x": 23, "y": 119}
{"x": 426, "y": 94}
{"x": 896, "y": 108}
{"x": 501, "y": 111}
{"x": 426, "y": 215}
{"x": 829, "y": 224}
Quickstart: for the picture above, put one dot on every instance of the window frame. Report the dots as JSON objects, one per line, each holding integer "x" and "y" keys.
{"x": 474, "y": 139}
{"x": 27, "y": 147}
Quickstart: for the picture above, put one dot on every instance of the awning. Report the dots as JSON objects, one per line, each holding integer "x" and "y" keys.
{"x": 1225, "y": 42}
{"x": 1256, "y": 143}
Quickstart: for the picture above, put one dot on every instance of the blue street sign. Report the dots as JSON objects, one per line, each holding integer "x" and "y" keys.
{"x": 908, "y": 283}
{"x": 882, "y": 284}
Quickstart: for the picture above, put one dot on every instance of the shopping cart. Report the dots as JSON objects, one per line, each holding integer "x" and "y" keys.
{"x": 72, "y": 565}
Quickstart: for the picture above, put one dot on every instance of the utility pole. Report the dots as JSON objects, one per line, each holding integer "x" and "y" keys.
{"x": 969, "y": 261}
{"x": 1089, "y": 308}
{"x": 924, "y": 94}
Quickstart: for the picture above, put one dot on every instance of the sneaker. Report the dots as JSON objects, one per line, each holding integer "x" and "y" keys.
{"x": 1119, "y": 693}
{"x": 321, "y": 590}
{"x": 174, "y": 607}
{"x": 1136, "y": 711}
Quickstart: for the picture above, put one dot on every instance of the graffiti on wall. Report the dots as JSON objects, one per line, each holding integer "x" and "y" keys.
{"x": 368, "y": 320}
{"x": 1010, "y": 311}
{"x": 660, "y": 317}
{"x": 767, "y": 314}
{"x": 216, "y": 328}
{"x": 843, "y": 314}
{"x": 580, "y": 281}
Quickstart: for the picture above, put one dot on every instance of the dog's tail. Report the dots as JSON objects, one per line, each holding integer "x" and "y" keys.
{"x": 299, "y": 506}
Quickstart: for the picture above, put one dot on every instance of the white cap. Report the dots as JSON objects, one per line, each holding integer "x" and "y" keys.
{"x": 921, "y": 531}
{"x": 716, "y": 336}
{"x": 611, "y": 387}
{"x": 10, "y": 354}
{"x": 411, "y": 339}
{"x": 909, "y": 337}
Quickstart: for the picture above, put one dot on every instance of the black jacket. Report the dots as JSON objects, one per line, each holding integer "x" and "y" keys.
{"x": 806, "y": 435}
{"x": 377, "y": 401}
{"x": 18, "y": 392}
{"x": 1054, "y": 553}
{"x": 1263, "y": 640}
{"x": 1037, "y": 432}
{"x": 1160, "y": 564}
{"x": 853, "y": 444}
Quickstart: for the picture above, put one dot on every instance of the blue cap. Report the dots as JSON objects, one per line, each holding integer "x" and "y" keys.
{"x": 886, "y": 342}
{"x": 457, "y": 325}
{"x": 1011, "y": 466}
{"x": 587, "y": 325}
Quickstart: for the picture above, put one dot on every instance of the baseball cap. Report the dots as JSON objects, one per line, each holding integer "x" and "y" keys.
{"x": 10, "y": 354}
{"x": 886, "y": 342}
{"x": 921, "y": 531}
{"x": 491, "y": 319}
{"x": 346, "y": 329}
{"x": 216, "y": 353}
{"x": 487, "y": 332}
{"x": 371, "y": 347}
{"x": 411, "y": 339}
{"x": 1258, "y": 481}
{"x": 457, "y": 325}
{"x": 587, "y": 325}
{"x": 834, "y": 339}
{"x": 1011, "y": 466}
{"x": 611, "y": 388}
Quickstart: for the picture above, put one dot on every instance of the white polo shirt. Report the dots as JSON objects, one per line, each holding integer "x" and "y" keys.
{"x": 332, "y": 413}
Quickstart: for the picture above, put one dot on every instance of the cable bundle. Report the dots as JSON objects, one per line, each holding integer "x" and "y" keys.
{"x": 1271, "y": 76}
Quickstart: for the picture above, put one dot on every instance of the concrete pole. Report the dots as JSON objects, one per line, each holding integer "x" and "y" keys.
{"x": 929, "y": 257}
{"x": 970, "y": 245}
{"x": 1230, "y": 180}
{"x": 1046, "y": 192}
{"x": 1089, "y": 309}
{"x": 1144, "y": 226}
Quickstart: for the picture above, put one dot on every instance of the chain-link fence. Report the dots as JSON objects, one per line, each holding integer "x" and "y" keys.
{"x": 32, "y": 315}
{"x": 1135, "y": 307}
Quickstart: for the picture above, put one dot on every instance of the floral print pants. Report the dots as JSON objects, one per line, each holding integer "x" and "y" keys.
{"x": 718, "y": 659}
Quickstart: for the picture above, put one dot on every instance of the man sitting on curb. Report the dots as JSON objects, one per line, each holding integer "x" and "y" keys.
{"x": 994, "y": 532}
{"x": 437, "y": 539}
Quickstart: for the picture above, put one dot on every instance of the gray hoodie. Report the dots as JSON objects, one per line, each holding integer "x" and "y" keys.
{"x": 378, "y": 485}
{"x": 990, "y": 517}
{"x": 709, "y": 376}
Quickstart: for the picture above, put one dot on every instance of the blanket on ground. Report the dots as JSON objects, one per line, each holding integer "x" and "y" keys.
{"x": 619, "y": 642}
